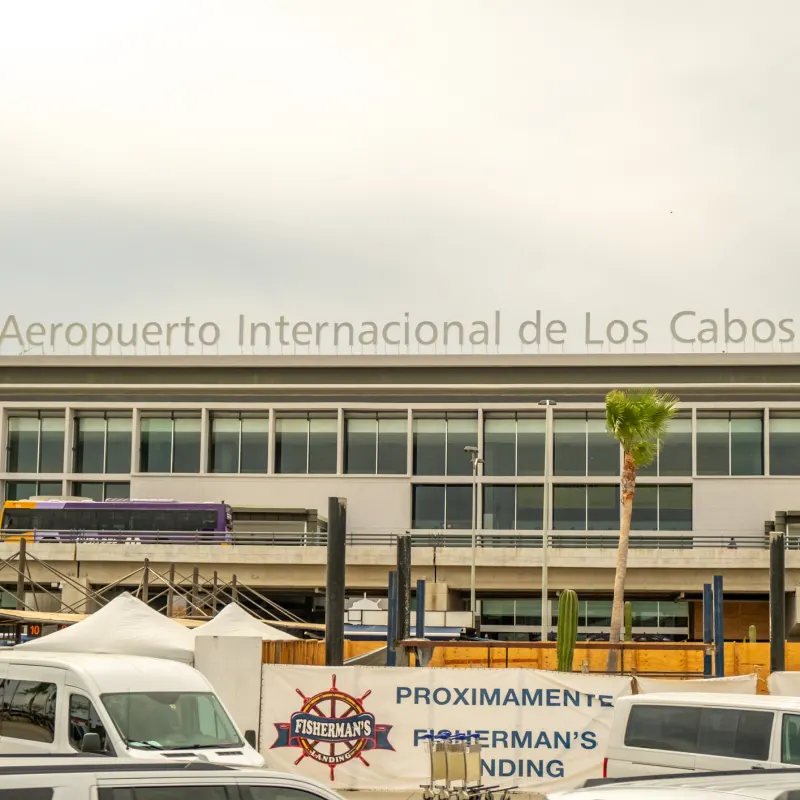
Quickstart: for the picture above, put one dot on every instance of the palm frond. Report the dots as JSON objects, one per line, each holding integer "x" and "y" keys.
{"x": 639, "y": 417}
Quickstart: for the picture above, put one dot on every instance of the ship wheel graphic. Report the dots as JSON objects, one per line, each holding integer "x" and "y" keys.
{"x": 333, "y": 701}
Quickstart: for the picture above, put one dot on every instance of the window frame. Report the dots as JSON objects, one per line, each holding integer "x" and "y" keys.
{"x": 172, "y": 416}
{"x": 307, "y": 418}
{"x": 39, "y": 415}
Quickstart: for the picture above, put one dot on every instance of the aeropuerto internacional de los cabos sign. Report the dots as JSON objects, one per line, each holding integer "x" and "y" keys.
{"x": 587, "y": 331}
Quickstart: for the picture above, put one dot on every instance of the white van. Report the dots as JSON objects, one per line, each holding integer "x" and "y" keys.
{"x": 657, "y": 734}
{"x": 118, "y": 705}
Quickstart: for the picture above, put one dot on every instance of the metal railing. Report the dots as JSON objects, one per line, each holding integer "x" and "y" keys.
{"x": 515, "y": 540}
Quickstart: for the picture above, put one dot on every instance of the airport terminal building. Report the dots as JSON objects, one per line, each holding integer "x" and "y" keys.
{"x": 275, "y": 437}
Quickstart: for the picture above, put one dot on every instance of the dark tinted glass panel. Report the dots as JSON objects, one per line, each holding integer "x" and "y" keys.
{"x": 604, "y": 451}
{"x": 172, "y": 791}
{"x": 675, "y": 455}
{"x": 291, "y": 445}
{"x": 735, "y": 733}
{"x": 225, "y": 444}
{"x": 275, "y": 793}
{"x": 118, "y": 445}
{"x": 603, "y": 508}
{"x": 747, "y": 446}
{"x": 322, "y": 445}
{"x": 528, "y": 612}
{"x": 673, "y": 615}
{"x": 569, "y": 508}
{"x": 790, "y": 739}
{"x": 645, "y": 509}
{"x": 83, "y": 719}
{"x": 89, "y": 489}
{"x": 530, "y": 445}
{"x": 666, "y": 727}
{"x": 255, "y": 445}
{"x": 186, "y": 454}
{"x": 530, "y": 508}
{"x": 392, "y": 445}
{"x": 428, "y": 507}
{"x": 118, "y": 491}
{"x": 51, "y": 455}
{"x": 20, "y": 490}
{"x": 498, "y": 507}
{"x": 461, "y": 433}
{"x": 675, "y": 508}
{"x": 430, "y": 449}
{"x": 27, "y": 794}
{"x": 784, "y": 444}
{"x": 499, "y": 446}
{"x": 645, "y": 613}
{"x": 458, "y": 507}
{"x": 712, "y": 445}
{"x": 598, "y": 613}
{"x": 23, "y": 444}
{"x": 28, "y": 710}
{"x": 156, "y": 445}
{"x": 361, "y": 446}
{"x": 569, "y": 446}
{"x": 49, "y": 488}
{"x": 90, "y": 444}
{"x": 497, "y": 612}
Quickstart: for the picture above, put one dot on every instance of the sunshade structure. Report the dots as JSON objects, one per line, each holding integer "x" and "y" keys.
{"x": 233, "y": 620}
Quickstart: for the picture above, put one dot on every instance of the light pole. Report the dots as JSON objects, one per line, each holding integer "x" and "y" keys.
{"x": 548, "y": 452}
{"x": 472, "y": 452}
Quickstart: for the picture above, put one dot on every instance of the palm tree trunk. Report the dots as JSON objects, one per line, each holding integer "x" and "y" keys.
{"x": 618, "y": 606}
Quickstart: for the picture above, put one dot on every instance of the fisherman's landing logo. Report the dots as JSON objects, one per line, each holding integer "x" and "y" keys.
{"x": 333, "y": 728}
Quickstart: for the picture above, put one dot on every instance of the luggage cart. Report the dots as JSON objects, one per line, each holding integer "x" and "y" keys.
{"x": 456, "y": 759}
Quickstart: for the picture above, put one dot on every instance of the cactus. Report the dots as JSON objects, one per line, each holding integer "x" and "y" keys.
{"x": 752, "y": 634}
{"x": 567, "y": 629}
{"x": 628, "y": 621}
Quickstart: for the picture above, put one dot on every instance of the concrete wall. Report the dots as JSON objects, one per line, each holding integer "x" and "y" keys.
{"x": 381, "y": 503}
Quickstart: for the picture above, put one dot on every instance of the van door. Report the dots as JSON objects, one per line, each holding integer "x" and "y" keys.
{"x": 786, "y": 749}
{"x": 82, "y": 718}
{"x": 734, "y": 739}
{"x": 33, "y": 718}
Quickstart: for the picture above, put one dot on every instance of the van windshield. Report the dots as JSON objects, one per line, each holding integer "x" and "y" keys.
{"x": 171, "y": 720}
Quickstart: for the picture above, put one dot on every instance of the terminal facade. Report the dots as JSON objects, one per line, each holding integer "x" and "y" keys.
{"x": 388, "y": 433}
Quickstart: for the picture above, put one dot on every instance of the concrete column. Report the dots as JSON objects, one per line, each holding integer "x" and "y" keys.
{"x": 75, "y": 596}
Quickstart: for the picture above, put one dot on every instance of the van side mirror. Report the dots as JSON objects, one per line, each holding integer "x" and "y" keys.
{"x": 250, "y": 738}
{"x": 91, "y": 743}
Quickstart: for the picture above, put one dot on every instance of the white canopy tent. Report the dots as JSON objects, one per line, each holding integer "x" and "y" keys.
{"x": 233, "y": 620}
{"x": 126, "y": 626}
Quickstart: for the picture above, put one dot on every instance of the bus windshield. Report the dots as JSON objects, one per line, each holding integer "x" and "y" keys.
{"x": 171, "y": 720}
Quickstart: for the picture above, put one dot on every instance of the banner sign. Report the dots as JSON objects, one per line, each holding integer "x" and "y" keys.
{"x": 359, "y": 728}
{"x": 737, "y": 684}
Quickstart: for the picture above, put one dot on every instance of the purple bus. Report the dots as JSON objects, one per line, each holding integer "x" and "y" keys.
{"x": 116, "y": 521}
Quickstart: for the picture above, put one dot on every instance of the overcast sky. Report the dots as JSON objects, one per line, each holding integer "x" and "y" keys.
{"x": 359, "y": 159}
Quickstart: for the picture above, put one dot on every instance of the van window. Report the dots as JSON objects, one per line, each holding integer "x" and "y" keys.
{"x": 84, "y": 719}
{"x": 28, "y": 710}
{"x": 790, "y": 739}
{"x": 172, "y": 791}
{"x": 276, "y": 793}
{"x": 726, "y": 732}
{"x": 27, "y": 794}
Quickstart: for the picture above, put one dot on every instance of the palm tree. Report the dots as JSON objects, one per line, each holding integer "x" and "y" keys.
{"x": 638, "y": 420}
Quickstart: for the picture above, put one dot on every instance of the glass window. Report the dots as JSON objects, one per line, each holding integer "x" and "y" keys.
{"x": 598, "y": 613}
{"x": 83, "y": 719}
{"x": 497, "y": 612}
{"x": 569, "y": 508}
{"x": 530, "y": 508}
{"x": 35, "y": 443}
{"x": 500, "y": 446}
{"x": 392, "y": 445}
{"x": 730, "y": 444}
{"x": 291, "y": 445}
{"x": 186, "y": 447}
{"x": 667, "y": 727}
{"x": 97, "y": 490}
{"x": 439, "y": 444}
{"x": 428, "y": 507}
{"x": 225, "y": 432}
{"x": 119, "y": 438}
{"x": 569, "y": 446}
{"x": 644, "y": 613}
{"x": 603, "y": 450}
{"x": 22, "y": 490}
{"x": 90, "y": 444}
{"x": 784, "y": 443}
{"x": 88, "y": 489}
{"x": 38, "y": 793}
{"x": 442, "y": 507}
{"x": 28, "y": 710}
{"x": 735, "y": 733}
{"x": 602, "y": 508}
{"x": 361, "y": 445}
{"x": 322, "y": 438}
{"x": 673, "y": 615}
{"x": 156, "y": 444}
{"x": 528, "y": 612}
{"x": 255, "y": 445}
{"x": 790, "y": 739}
{"x": 530, "y": 445}
{"x": 645, "y": 508}
{"x": 275, "y": 793}
{"x": 172, "y": 791}
{"x": 674, "y": 457}
{"x": 499, "y": 505}
{"x": 747, "y": 445}
{"x": 674, "y": 508}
